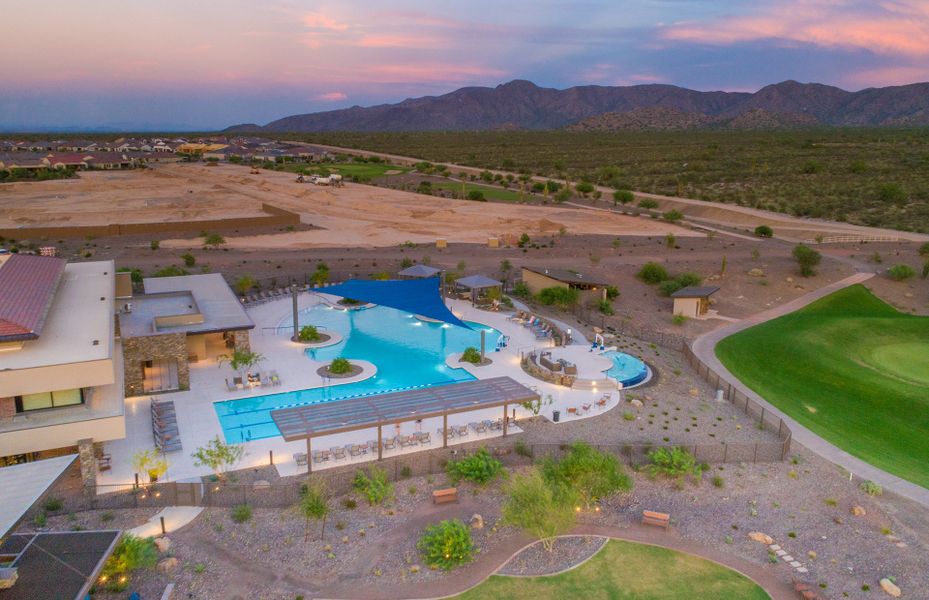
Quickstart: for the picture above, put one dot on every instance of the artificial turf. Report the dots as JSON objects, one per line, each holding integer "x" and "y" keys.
{"x": 626, "y": 571}
{"x": 850, "y": 368}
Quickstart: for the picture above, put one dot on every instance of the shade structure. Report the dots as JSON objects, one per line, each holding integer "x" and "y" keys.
{"x": 418, "y": 296}
{"x": 478, "y": 282}
{"x": 419, "y": 271}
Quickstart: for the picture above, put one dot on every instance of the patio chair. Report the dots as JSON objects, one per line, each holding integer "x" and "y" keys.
{"x": 390, "y": 444}
{"x": 275, "y": 378}
{"x": 354, "y": 449}
{"x": 320, "y": 456}
{"x": 300, "y": 459}
{"x": 488, "y": 424}
{"x": 424, "y": 438}
{"x": 586, "y": 407}
{"x": 372, "y": 446}
{"x": 478, "y": 427}
{"x": 497, "y": 425}
{"x": 337, "y": 453}
{"x": 237, "y": 382}
{"x": 104, "y": 462}
{"x": 441, "y": 432}
{"x": 463, "y": 431}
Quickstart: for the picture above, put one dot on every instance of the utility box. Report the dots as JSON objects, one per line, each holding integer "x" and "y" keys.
{"x": 441, "y": 243}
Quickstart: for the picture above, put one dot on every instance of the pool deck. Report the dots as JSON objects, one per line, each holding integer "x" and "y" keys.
{"x": 198, "y": 422}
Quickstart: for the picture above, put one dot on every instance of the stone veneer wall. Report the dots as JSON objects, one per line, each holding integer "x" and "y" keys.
{"x": 241, "y": 340}
{"x": 166, "y": 346}
{"x": 7, "y": 409}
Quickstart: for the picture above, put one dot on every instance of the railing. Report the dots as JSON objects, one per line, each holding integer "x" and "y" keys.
{"x": 854, "y": 239}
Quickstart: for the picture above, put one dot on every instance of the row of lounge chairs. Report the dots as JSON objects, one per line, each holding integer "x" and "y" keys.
{"x": 251, "y": 380}
{"x": 541, "y": 328}
{"x": 280, "y": 292}
{"x": 164, "y": 426}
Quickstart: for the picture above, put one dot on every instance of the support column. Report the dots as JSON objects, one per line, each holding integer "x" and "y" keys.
{"x": 380, "y": 443}
{"x": 88, "y": 460}
{"x": 309, "y": 455}
{"x": 293, "y": 293}
{"x": 445, "y": 430}
{"x": 483, "y": 344}
{"x": 504, "y": 420}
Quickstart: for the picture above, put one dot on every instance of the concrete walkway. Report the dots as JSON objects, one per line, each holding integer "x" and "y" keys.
{"x": 175, "y": 517}
{"x": 705, "y": 348}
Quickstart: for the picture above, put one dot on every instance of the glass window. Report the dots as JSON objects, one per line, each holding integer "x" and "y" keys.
{"x": 49, "y": 400}
{"x": 37, "y": 401}
{"x": 67, "y": 397}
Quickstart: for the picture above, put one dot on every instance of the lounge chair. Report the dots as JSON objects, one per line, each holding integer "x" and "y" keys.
{"x": 478, "y": 427}
{"x": 441, "y": 432}
{"x": 497, "y": 425}
{"x": 300, "y": 459}
{"x": 488, "y": 424}
{"x": 372, "y": 445}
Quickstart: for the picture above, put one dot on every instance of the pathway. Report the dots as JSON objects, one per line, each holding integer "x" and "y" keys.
{"x": 175, "y": 517}
{"x": 705, "y": 348}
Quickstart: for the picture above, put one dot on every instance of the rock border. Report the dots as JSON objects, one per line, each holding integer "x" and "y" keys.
{"x": 598, "y": 542}
{"x": 357, "y": 370}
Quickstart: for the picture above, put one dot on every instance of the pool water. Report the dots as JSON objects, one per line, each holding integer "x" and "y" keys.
{"x": 626, "y": 369}
{"x": 408, "y": 353}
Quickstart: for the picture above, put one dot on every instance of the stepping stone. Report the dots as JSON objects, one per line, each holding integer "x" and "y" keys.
{"x": 787, "y": 557}
{"x": 780, "y": 553}
{"x": 774, "y": 547}
{"x": 802, "y": 570}
{"x": 795, "y": 564}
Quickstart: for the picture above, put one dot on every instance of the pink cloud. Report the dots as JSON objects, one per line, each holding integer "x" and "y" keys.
{"x": 332, "y": 96}
{"x": 892, "y": 27}
{"x": 884, "y": 76}
{"x": 317, "y": 20}
{"x": 398, "y": 41}
{"x": 432, "y": 72}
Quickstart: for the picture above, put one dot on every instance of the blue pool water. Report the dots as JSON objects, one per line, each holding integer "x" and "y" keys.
{"x": 626, "y": 368}
{"x": 407, "y": 352}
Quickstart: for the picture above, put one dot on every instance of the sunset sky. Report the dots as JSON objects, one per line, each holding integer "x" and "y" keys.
{"x": 209, "y": 64}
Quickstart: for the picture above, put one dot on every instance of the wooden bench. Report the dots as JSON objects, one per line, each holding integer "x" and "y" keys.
{"x": 446, "y": 495}
{"x": 656, "y": 518}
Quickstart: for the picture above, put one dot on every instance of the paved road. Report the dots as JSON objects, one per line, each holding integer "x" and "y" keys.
{"x": 705, "y": 348}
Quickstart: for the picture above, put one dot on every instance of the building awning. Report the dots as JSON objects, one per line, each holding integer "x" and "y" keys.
{"x": 24, "y": 484}
{"x": 418, "y": 296}
{"x": 419, "y": 271}
{"x": 695, "y": 292}
{"x": 352, "y": 414}
{"x": 478, "y": 282}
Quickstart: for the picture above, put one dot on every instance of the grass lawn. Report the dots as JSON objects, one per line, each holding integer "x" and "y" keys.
{"x": 626, "y": 570}
{"x": 362, "y": 171}
{"x": 491, "y": 193}
{"x": 850, "y": 368}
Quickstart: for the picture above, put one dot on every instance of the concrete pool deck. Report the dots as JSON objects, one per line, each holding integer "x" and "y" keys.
{"x": 198, "y": 422}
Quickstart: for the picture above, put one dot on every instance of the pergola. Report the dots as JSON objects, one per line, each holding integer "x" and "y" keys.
{"x": 353, "y": 414}
{"x": 419, "y": 271}
{"x": 476, "y": 283}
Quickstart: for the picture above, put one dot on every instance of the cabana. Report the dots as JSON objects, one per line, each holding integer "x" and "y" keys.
{"x": 693, "y": 301}
{"x": 419, "y": 272}
{"x": 478, "y": 283}
{"x": 367, "y": 412}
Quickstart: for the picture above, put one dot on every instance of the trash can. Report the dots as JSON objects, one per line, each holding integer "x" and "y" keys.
{"x": 556, "y": 414}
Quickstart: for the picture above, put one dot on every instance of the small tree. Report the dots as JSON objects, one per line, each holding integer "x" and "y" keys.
{"x": 476, "y": 195}
{"x": 308, "y": 333}
{"x": 447, "y": 545}
{"x": 240, "y": 359}
{"x": 213, "y": 240}
{"x": 243, "y": 284}
{"x": 150, "y": 463}
{"x": 480, "y": 467}
{"x": 652, "y": 273}
{"x": 589, "y": 472}
{"x": 374, "y": 485}
{"x": 764, "y": 231}
{"x": 314, "y": 504}
{"x": 807, "y": 258}
{"x": 540, "y": 509}
{"x": 218, "y": 456}
{"x": 623, "y": 197}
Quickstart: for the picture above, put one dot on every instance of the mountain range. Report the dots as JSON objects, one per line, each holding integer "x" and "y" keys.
{"x": 521, "y": 104}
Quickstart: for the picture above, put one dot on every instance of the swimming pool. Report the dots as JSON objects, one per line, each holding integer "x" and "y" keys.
{"x": 626, "y": 369}
{"x": 407, "y": 351}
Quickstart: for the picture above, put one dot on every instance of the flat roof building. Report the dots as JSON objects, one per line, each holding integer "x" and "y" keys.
{"x": 693, "y": 301}
{"x": 539, "y": 278}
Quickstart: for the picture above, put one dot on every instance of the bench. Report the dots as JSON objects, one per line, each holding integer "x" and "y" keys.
{"x": 656, "y": 518}
{"x": 446, "y": 495}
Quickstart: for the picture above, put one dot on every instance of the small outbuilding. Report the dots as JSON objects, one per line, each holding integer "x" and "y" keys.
{"x": 693, "y": 301}
{"x": 539, "y": 278}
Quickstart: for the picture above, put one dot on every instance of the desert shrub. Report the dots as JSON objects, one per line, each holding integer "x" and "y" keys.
{"x": 592, "y": 474}
{"x": 563, "y": 298}
{"x": 892, "y": 193}
{"x": 673, "y": 463}
{"x": 807, "y": 258}
{"x": 901, "y": 272}
{"x": 652, "y": 273}
{"x": 647, "y": 203}
{"x": 476, "y": 195}
{"x": 241, "y": 513}
{"x": 446, "y": 545}
{"x": 584, "y": 188}
{"x": 605, "y": 307}
{"x": 612, "y": 292}
{"x": 539, "y": 508}
{"x": 53, "y": 504}
{"x": 522, "y": 449}
{"x": 135, "y": 275}
{"x": 308, "y": 333}
{"x": 154, "y": 244}
{"x": 924, "y": 249}
{"x": 870, "y": 488}
{"x": 764, "y": 231}
{"x": 340, "y": 366}
{"x": 373, "y": 485}
{"x": 666, "y": 288}
{"x": 562, "y": 195}
{"x": 213, "y": 240}
{"x": 170, "y": 271}
{"x": 718, "y": 481}
{"x": 480, "y": 468}
{"x": 679, "y": 319}
{"x": 189, "y": 259}
{"x": 672, "y": 215}
{"x": 521, "y": 290}
{"x": 471, "y": 355}
{"x": 524, "y": 240}
{"x": 623, "y": 196}
{"x": 131, "y": 554}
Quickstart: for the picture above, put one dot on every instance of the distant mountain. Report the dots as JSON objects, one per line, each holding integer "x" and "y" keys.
{"x": 657, "y": 118}
{"x": 524, "y": 105}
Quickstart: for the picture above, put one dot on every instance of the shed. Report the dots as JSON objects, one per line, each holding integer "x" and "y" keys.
{"x": 693, "y": 301}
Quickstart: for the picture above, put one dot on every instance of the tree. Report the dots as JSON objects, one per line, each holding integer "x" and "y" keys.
{"x": 243, "y": 284}
{"x": 623, "y": 197}
{"x": 314, "y": 504}
{"x": 584, "y": 188}
{"x": 240, "y": 359}
{"x": 150, "y": 463}
{"x": 589, "y": 472}
{"x": 523, "y": 240}
{"x": 652, "y": 273}
{"x": 218, "y": 456}
{"x": 505, "y": 267}
{"x": 542, "y": 510}
{"x": 764, "y": 231}
{"x": 447, "y": 544}
{"x": 213, "y": 240}
{"x": 807, "y": 258}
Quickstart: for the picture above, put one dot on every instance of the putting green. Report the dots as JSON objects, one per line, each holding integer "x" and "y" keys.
{"x": 850, "y": 368}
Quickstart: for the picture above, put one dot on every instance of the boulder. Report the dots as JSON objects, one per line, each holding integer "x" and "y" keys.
{"x": 167, "y": 565}
{"x": 756, "y": 272}
{"x": 858, "y": 511}
{"x": 477, "y": 522}
{"x": 636, "y": 403}
{"x": 694, "y": 392}
{"x": 890, "y": 588}
{"x": 163, "y": 544}
{"x": 761, "y": 538}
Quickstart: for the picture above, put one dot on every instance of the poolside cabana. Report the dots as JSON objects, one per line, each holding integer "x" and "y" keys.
{"x": 354, "y": 414}
{"x": 693, "y": 301}
{"x": 477, "y": 284}
{"x": 419, "y": 272}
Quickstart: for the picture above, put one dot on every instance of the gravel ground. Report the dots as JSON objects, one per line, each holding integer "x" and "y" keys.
{"x": 124, "y": 518}
{"x": 567, "y": 553}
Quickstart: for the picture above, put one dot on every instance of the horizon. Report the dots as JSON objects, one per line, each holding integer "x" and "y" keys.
{"x": 193, "y": 68}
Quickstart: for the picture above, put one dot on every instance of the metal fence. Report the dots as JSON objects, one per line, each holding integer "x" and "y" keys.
{"x": 593, "y": 317}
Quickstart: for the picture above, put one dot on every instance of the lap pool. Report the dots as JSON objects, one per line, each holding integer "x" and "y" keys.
{"x": 407, "y": 351}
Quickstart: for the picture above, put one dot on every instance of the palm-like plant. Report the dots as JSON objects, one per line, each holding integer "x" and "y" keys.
{"x": 240, "y": 359}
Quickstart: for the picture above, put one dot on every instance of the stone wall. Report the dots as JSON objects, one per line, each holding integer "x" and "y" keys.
{"x": 88, "y": 461}
{"x": 7, "y": 409}
{"x": 241, "y": 340}
{"x": 167, "y": 346}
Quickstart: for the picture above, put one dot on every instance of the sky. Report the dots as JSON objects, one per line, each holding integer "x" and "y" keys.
{"x": 208, "y": 64}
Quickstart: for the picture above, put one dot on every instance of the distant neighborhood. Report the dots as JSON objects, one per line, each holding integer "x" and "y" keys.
{"x": 25, "y": 157}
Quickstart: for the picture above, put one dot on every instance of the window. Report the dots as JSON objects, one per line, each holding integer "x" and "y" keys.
{"x": 44, "y": 400}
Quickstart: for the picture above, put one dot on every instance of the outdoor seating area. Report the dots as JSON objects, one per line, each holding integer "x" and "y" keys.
{"x": 543, "y": 330}
{"x": 254, "y": 380}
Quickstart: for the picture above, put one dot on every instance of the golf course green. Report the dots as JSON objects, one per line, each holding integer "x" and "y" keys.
{"x": 850, "y": 368}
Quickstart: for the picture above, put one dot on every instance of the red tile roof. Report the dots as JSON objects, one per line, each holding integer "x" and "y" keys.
{"x": 27, "y": 289}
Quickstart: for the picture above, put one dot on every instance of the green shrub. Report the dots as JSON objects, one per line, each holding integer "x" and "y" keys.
{"x": 480, "y": 468}
{"x": 647, "y": 204}
{"x": 590, "y": 473}
{"x": 521, "y": 290}
{"x": 524, "y": 240}
{"x": 679, "y": 319}
{"x": 131, "y": 554}
{"x": 561, "y": 297}
{"x": 446, "y": 545}
{"x": 40, "y": 520}
{"x": 870, "y": 488}
{"x": 476, "y": 195}
{"x": 241, "y": 513}
{"x": 924, "y": 249}
{"x": 678, "y": 283}
{"x": 605, "y": 307}
{"x": 623, "y": 196}
{"x": 189, "y": 259}
{"x": 522, "y": 449}
{"x": 309, "y": 333}
{"x": 471, "y": 355}
{"x": 901, "y": 272}
{"x": 170, "y": 271}
{"x": 53, "y": 504}
{"x": 718, "y": 481}
{"x": 154, "y": 244}
{"x": 374, "y": 485}
{"x": 764, "y": 231}
{"x": 673, "y": 463}
{"x": 612, "y": 292}
{"x": 672, "y": 215}
{"x": 340, "y": 366}
{"x": 652, "y": 273}
{"x": 807, "y": 258}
